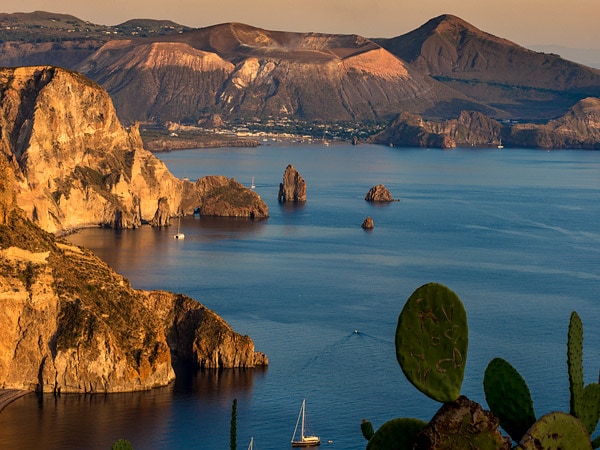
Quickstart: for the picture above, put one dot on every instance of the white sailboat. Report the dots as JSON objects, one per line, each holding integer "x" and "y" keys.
{"x": 179, "y": 234}
{"x": 251, "y": 446}
{"x": 304, "y": 441}
{"x": 252, "y": 185}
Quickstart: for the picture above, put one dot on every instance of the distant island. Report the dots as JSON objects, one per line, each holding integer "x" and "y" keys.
{"x": 444, "y": 84}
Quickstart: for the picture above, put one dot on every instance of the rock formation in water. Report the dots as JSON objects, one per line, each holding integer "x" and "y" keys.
{"x": 368, "y": 223}
{"x": 578, "y": 128}
{"x": 379, "y": 193}
{"x": 232, "y": 199}
{"x": 69, "y": 323}
{"x": 293, "y": 187}
{"x": 74, "y": 162}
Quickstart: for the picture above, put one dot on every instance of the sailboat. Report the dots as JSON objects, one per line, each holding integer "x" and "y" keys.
{"x": 179, "y": 234}
{"x": 500, "y": 146}
{"x": 304, "y": 441}
{"x": 251, "y": 446}
{"x": 252, "y": 186}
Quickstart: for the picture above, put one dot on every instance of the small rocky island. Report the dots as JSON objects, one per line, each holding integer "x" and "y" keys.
{"x": 379, "y": 193}
{"x": 293, "y": 187}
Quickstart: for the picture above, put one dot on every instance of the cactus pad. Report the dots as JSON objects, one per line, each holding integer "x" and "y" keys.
{"x": 432, "y": 340}
{"x": 555, "y": 431}
{"x": 397, "y": 434}
{"x": 575, "y": 364}
{"x": 508, "y": 397}
{"x": 591, "y": 407}
{"x": 366, "y": 428}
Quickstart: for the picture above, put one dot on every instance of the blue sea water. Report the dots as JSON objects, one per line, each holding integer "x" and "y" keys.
{"x": 515, "y": 233}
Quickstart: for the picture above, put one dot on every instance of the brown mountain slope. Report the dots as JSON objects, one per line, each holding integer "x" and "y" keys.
{"x": 495, "y": 71}
{"x": 261, "y": 73}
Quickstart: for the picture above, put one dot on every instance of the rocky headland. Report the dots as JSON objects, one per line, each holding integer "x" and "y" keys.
{"x": 578, "y": 128}
{"x": 76, "y": 165}
{"x": 69, "y": 323}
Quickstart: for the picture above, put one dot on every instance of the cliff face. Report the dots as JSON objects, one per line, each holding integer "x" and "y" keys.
{"x": 69, "y": 323}
{"x": 578, "y": 128}
{"x": 75, "y": 164}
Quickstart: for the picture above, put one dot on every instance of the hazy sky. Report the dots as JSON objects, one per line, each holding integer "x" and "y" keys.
{"x": 573, "y": 23}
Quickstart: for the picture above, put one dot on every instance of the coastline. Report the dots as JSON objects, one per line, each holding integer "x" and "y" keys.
{"x": 7, "y": 396}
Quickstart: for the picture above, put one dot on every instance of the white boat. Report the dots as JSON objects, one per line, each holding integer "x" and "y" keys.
{"x": 252, "y": 185}
{"x": 303, "y": 441}
{"x": 179, "y": 234}
{"x": 251, "y": 446}
{"x": 500, "y": 144}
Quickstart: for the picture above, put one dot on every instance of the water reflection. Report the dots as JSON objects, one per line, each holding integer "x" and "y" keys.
{"x": 97, "y": 420}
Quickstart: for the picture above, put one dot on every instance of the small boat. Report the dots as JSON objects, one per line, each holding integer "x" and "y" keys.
{"x": 252, "y": 186}
{"x": 179, "y": 234}
{"x": 304, "y": 441}
{"x": 500, "y": 144}
{"x": 251, "y": 446}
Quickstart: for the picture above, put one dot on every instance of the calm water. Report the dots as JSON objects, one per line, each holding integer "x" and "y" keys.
{"x": 514, "y": 233}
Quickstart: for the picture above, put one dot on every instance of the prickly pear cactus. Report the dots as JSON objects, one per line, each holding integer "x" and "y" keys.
{"x": 590, "y": 413}
{"x": 366, "y": 428}
{"x": 556, "y": 431}
{"x": 508, "y": 397}
{"x": 397, "y": 434}
{"x": 432, "y": 340}
{"x": 575, "y": 363}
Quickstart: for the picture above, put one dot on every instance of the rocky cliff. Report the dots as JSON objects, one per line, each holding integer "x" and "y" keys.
{"x": 69, "y": 323}
{"x": 75, "y": 164}
{"x": 578, "y": 128}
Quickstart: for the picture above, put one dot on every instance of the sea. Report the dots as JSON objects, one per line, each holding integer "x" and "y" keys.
{"x": 515, "y": 233}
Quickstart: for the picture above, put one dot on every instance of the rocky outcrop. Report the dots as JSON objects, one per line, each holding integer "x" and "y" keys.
{"x": 232, "y": 199}
{"x": 379, "y": 193}
{"x": 578, "y": 128}
{"x": 462, "y": 424}
{"x": 69, "y": 323}
{"x": 368, "y": 223}
{"x": 163, "y": 213}
{"x": 74, "y": 163}
{"x": 293, "y": 187}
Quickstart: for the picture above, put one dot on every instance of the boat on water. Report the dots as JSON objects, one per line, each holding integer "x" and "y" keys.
{"x": 252, "y": 186}
{"x": 302, "y": 440}
{"x": 179, "y": 234}
{"x": 251, "y": 445}
{"x": 500, "y": 146}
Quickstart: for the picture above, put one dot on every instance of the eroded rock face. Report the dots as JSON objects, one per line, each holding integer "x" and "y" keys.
{"x": 462, "y": 424}
{"x": 379, "y": 193}
{"x": 293, "y": 187}
{"x": 77, "y": 165}
{"x": 69, "y": 323}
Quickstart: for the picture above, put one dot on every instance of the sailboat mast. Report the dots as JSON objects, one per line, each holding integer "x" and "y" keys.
{"x": 303, "y": 405}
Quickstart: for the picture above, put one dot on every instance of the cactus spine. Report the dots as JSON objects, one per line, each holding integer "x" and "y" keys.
{"x": 432, "y": 340}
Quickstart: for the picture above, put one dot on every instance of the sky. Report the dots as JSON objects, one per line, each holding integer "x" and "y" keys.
{"x": 567, "y": 23}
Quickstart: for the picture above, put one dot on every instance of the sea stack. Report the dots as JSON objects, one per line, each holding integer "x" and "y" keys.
{"x": 293, "y": 188}
{"x": 368, "y": 223}
{"x": 379, "y": 193}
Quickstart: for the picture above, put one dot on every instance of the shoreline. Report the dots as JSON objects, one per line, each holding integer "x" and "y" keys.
{"x": 7, "y": 396}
